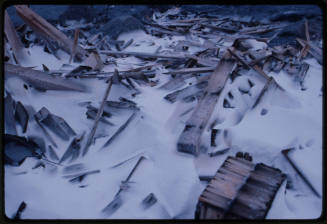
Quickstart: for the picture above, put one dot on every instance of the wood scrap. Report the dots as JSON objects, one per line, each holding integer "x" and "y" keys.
{"x": 263, "y": 91}
{"x": 21, "y": 116}
{"x": 191, "y": 70}
{"x": 189, "y": 140}
{"x": 205, "y": 62}
{"x": 73, "y": 52}
{"x": 55, "y": 123}
{"x": 120, "y": 129}
{"x": 42, "y": 80}
{"x": 47, "y": 31}
{"x": 10, "y": 124}
{"x": 13, "y": 39}
{"x": 285, "y": 153}
{"x": 94, "y": 61}
{"x": 97, "y": 118}
{"x": 313, "y": 50}
{"x": 239, "y": 190}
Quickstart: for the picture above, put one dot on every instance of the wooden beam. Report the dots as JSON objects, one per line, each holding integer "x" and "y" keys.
{"x": 191, "y": 70}
{"x": 13, "y": 39}
{"x": 189, "y": 140}
{"x": 97, "y": 118}
{"x": 72, "y": 55}
{"x": 42, "y": 80}
{"x": 47, "y": 31}
{"x": 313, "y": 50}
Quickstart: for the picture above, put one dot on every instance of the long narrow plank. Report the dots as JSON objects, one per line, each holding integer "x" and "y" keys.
{"x": 97, "y": 118}
{"x": 42, "y": 80}
{"x": 313, "y": 50}
{"x": 47, "y": 31}
{"x": 13, "y": 39}
{"x": 190, "y": 138}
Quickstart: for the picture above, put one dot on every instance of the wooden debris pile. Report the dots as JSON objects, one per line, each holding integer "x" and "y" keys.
{"x": 216, "y": 50}
{"x": 239, "y": 190}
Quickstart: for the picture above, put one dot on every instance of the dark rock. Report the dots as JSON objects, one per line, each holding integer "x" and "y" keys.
{"x": 121, "y": 24}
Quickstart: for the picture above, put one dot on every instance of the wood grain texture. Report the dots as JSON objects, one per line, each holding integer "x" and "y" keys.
{"x": 189, "y": 140}
{"x": 239, "y": 190}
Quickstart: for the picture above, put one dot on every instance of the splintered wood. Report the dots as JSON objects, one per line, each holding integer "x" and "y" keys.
{"x": 190, "y": 138}
{"x": 239, "y": 190}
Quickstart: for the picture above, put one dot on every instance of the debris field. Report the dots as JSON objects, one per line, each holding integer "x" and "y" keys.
{"x": 178, "y": 113}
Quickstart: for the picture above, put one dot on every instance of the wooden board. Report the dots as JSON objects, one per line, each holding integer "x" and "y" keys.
{"x": 13, "y": 39}
{"x": 47, "y": 31}
{"x": 239, "y": 190}
{"x": 190, "y": 138}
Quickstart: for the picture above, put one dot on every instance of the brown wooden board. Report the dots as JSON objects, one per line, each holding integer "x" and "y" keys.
{"x": 239, "y": 190}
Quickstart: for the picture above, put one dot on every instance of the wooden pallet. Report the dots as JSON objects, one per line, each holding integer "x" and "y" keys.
{"x": 239, "y": 190}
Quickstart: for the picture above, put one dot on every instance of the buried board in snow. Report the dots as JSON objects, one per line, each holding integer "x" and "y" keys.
{"x": 239, "y": 190}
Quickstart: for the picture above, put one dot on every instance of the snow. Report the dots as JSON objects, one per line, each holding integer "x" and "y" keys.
{"x": 293, "y": 119}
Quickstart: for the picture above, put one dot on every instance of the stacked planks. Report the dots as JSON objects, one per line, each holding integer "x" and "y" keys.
{"x": 239, "y": 190}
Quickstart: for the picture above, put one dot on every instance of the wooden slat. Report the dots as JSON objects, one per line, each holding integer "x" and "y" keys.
{"x": 216, "y": 199}
{"x": 241, "y": 190}
{"x": 47, "y": 31}
{"x": 13, "y": 39}
{"x": 190, "y": 138}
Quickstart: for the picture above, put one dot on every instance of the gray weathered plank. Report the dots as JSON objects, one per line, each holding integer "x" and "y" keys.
{"x": 47, "y": 31}
{"x": 190, "y": 138}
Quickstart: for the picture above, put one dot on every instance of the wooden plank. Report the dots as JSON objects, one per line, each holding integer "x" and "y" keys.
{"x": 145, "y": 55}
{"x": 190, "y": 70}
{"x": 230, "y": 172}
{"x": 204, "y": 62}
{"x": 13, "y": 39}
{"x": 215, "y": 199}
{"x": 97, "y": 118}
{"x": 72, "y": 55}
{"x": 263, "y": 91}
{"x": 241, "y": 196}
{"x": 190, "y": 138}
{"x": 42, "y": 80}
{"x": 313, "y": 50}
{"x": 47, "y": 31}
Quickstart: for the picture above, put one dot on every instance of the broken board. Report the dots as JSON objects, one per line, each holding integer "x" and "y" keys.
{"x": 239, "y": 190}
{"x": 190, "y": 138}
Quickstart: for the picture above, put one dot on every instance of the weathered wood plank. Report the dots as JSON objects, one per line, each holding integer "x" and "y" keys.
{"x": 72, "y": 55}
{"x": 47, "y": 31}
{"x": 42, "y": 80}
{"x": 190, "y": 138}
{"x": 191, "y": 70}
{"x": 232, "y": 195}
{"x": 13, "y": 39}
{"x": 313, "y": 50}
{"x": 97, "y": 118}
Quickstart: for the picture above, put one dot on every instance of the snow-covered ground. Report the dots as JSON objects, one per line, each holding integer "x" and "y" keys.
{"x": 293, "y": 118}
